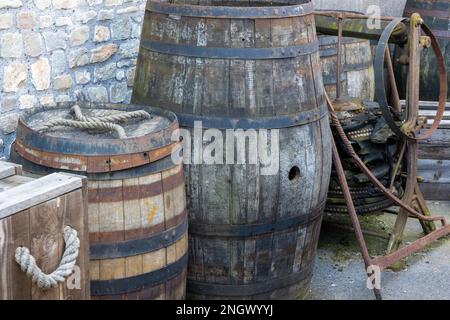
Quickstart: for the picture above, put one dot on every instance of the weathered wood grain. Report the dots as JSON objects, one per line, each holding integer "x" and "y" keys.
{"x": 38, "y": 224}
{"x": 36, "y": 192}
{"x": 357, "y": 73}
{"x": 5, "y": 259}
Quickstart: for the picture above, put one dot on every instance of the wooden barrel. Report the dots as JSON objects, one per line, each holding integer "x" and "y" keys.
{"x": 357, "y": 76}
{"x": 137, "y": 214}
{"x": 34, "y": 213}
{"x": 436, "y": 15}
{"x": 248, "y": 66}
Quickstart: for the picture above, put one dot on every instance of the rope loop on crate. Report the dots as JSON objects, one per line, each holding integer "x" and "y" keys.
{"x": 65, "y": 268}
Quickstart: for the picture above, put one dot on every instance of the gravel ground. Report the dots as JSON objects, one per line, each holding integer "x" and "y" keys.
{"x": 339, "y": 272}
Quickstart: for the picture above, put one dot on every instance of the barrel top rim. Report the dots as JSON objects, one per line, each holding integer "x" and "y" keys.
{"x": 173, "y": 120}
{"x": 291, "y": 9}
{"x": 114, "y": 147}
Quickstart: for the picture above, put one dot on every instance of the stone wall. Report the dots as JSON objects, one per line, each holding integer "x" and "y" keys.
{"x": 60, "y": 50}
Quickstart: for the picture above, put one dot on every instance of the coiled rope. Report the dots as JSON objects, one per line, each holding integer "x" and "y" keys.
{"x": 107, "y": 122}
{"x": 46, "y": 281}
{"x": 92, "y": 124}
{"x": 120, "y": 117}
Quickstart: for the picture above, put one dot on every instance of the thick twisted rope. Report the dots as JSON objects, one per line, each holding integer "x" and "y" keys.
{"x": 92, "y": 124}
{"x": 46, "y": 281}
{"x": 96, "y": 123}
{"x": 120, "y": 117}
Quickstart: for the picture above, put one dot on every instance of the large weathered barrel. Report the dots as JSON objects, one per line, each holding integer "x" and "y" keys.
{"x": 136, "y": 196}
{"x": 357, "y": 73}
{"x": 436, "y": 15}
{"x": 248, "y": 66}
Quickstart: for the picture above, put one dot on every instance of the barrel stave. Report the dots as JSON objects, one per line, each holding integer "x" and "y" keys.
{"x": 357, "y": 73}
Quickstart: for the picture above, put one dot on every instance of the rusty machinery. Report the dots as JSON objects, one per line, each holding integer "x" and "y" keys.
{"x": 407, "y": 125}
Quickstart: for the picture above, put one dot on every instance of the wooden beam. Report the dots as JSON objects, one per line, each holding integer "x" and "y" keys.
{"x": 36, "y": 192}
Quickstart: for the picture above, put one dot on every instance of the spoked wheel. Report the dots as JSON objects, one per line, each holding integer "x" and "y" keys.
{"x": 406, "y": 123}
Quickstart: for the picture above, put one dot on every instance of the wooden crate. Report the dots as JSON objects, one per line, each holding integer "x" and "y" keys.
{"x": 33, "y": 214}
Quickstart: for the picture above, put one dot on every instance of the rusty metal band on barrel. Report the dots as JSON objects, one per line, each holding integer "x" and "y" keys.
{"x": 139, "y": 282}
{"x": 135, "y": 172}
{"x": 278, "y": 122}
{"x": 93, "y": 164}
{"x": 250, "y": 289}
{"x": 112, "y": 250}
{"x": 380, "y": 80}
{"x": 372, "y": 178}
{"x": 230, "y": 53}
{"x": 250, "y": 230}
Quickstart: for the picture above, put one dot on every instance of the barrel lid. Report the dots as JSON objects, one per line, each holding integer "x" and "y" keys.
{"x": 139, "y": 140}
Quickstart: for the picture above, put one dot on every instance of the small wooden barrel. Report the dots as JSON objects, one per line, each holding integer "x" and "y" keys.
{"x": 34, "y": 214}
{"x": 357, "y": 75}
{"x": 137, "y": 206}
{"x": 436, "y": 15}
{"x": 248, "y": 66}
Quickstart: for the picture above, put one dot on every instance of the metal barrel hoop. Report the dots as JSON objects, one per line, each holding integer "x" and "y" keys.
{"x": 380, "y": 80}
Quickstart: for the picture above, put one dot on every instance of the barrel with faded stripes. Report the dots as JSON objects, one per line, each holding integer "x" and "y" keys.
{"x": 136, "y": 197}
{"x": 436, "y": 15}
{"x": 357, "y": 73}
{"x": 246, "y": 68}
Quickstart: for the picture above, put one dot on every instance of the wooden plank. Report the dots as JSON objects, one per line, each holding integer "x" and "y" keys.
{"x": 236, "y": 261}
{"x": 216, "y": 260}
{"x": 94, "y": 270}
{"x": 263, "y": 257}
{"x": 6, "y": 170}
{"x": 300, "y": 246}
{"x": 47, "y": 243}
{"x": 435, "y": 171}
{"x": 152, "y": 208}
{"x": 20, "y": 236}
{"x": 437, "y": 146}
{"x": 13, "y": 181}
{"x": 283, "y": 253}
{"x": 110, "y": 214}
{"x": 177, "y": 250}
{"x": 36, "y": 192}
{"x": 93, "y": 211}
{"x": 132, "y": 212}
{"x": 77, "y": 218}
{"x": 436, "y": 191}
{"x": 112, "y": 269}
{"x": 172, "y": 195}
{"x": 133, "y": 265}
{"x": 154, "y": 260}
{"x": 428, "y": 105}
{"x": 6, "y": 259}
{"x": 432, "y": 114}
{"x": 249, "y": 261}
